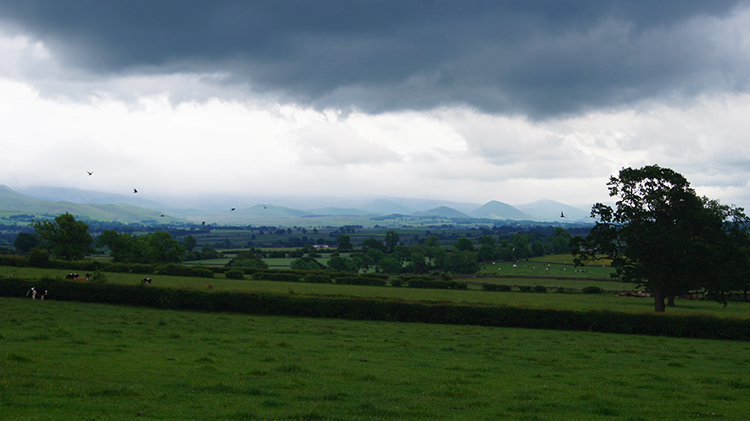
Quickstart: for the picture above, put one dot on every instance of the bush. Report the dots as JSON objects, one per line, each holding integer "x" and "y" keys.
{"x": 98, "y": 278}
{"x": 524, "y": 288}
{"x": 540, "y": 288}
{"x": 277, "y": 276}
{"x": 496, "y": 287}
{"x": 306, "y": 263}
{"x": 202, "y": 272}
{"x": 560, "y": 290}
{"x": 591, "y": 290}
{"x": 361, "y": 280}
{"x": 317, "y": 279}
{"x": 235, "y": 274}
{"x": 14, "y": 260}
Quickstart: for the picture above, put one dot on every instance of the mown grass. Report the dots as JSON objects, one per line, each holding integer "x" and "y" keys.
{"x": 73, "y": 361}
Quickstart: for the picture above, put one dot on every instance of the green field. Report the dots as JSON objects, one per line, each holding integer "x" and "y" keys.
{"x": 605, "y": 301}
{"x": 73, "y": 361}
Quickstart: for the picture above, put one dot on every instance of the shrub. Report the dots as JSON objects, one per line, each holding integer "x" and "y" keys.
{"x": 202, "y": 272}
{"x": 496, "y": 287}
{"x": 560, "y": 290}
{"x": 235, "y": 274}
{"x": 591, "y": 290}
{"x": 306, "y": 263}
{"x": 98, "y": 278}
{"x": 277, "y": 276}
{"x": 361, "y": 280}
{"x": 524, "y": 288}
{"x": 38, "y": 258}
{"x": 14, "y": 260}
{"x": 540, "y": 288}
{"x": 317, "y": 279}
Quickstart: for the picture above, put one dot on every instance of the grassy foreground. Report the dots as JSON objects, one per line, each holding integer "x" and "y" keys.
{"x": 73, "y": 361}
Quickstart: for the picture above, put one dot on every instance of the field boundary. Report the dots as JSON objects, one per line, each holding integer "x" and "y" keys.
{"x": 393, "y": 310}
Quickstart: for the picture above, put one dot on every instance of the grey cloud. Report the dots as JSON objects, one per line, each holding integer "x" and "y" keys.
{"x": 328, "y": 144}
{"x": 542, "y": 58}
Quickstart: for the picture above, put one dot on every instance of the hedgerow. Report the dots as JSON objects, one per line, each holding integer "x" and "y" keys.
{"x": 360, "y": 308}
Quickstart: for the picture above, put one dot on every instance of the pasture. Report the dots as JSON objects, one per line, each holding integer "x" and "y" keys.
{"x": 605, "y": 301}
{"x": 73, "y": 361}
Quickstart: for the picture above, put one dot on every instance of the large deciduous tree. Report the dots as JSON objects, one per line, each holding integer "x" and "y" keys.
{"x": 65, "y": 237}
{"x": 24, "y": 242}
{"x": 665, "y": 238}
{"x": 344, "y": 243}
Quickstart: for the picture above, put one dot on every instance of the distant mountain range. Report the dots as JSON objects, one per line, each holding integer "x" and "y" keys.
{"x": 51, "y": 201}
{"x": 13, "y": 202}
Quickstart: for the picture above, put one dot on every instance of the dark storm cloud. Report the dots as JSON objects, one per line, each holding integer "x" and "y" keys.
{"x": 537, "y": 57}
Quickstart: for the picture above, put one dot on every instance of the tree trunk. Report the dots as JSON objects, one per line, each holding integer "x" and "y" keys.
{"x": 670, "y": 300}
{"x": 659, "y": 297}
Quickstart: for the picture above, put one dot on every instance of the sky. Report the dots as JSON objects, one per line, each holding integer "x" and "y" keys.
{"x": 466, "y": 101}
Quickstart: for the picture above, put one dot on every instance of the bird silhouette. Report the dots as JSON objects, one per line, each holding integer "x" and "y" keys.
{"x": 233, "y": 209}
{"x": 264, "y": 207}
{"x": 135, "y": 191}
{"x": 204, "y": 222}
{"x": 90, "y": 172}
{"x": 562, "y": 215}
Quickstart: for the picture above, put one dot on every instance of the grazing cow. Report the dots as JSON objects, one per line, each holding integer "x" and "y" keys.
{"x": 88, "y": 276}
{"x": 33, "y": 292}
{"x": 146, "y": 281}
{"x": 209, "y": 287}
{"x": 71, "y": 276}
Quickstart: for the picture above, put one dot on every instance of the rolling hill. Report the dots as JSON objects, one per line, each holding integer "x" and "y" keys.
{"x": 123, "y": 208}
{"x": 498, "y": 210}
{"x": 444, "y": 212}
{"x": 11, "y": 200}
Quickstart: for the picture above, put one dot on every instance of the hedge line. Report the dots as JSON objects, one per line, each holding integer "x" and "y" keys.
{"x": 94, "y": 265}
{"x": 359, "y": 308}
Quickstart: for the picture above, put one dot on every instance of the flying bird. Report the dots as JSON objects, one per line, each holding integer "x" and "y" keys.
{"x": 562, "y": 215}
{"x": 233, "y": 209}
{"x": 264, "y": 207}
{"x": 135, "y": 191}
{"x": 90, "y": 172}
{"x": 204, "y": 222}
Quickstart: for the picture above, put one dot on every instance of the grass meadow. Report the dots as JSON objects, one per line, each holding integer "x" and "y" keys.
{"x": 605, "y": 301}
{"x": 73, "y": 361}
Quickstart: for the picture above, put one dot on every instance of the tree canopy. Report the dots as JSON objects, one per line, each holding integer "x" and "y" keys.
{"x": 157, "y": 247}
{"x": 65, "y": 237}
{"x": 665, "y": 238}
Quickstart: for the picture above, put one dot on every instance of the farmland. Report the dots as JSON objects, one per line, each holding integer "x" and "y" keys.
{"x": 111, "y": 362}
{"x": 72, "y": 361}
{"x": 567, "y": 301}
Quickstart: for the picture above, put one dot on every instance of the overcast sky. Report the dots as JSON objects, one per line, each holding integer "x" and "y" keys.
{"x": 467, "y": 101}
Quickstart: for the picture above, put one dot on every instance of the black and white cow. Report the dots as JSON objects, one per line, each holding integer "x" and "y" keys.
{"x": 33, "y": 293}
